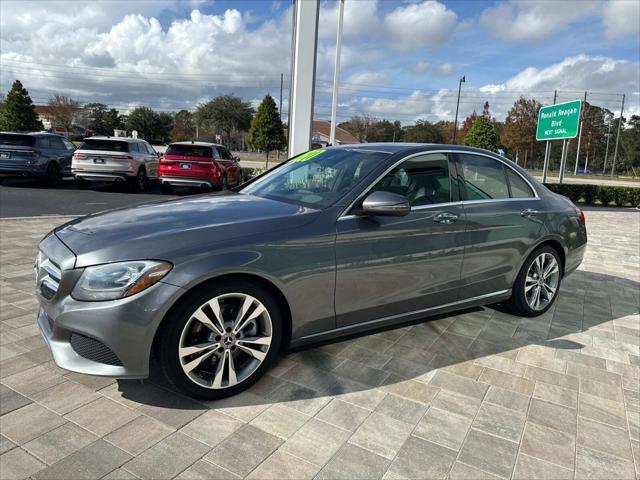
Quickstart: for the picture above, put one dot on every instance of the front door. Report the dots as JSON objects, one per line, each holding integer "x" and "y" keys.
{"x": 504, "y": 218}
{"x": 396, "y": 265}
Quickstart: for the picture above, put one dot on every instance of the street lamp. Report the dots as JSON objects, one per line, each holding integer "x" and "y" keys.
{"x": 455, "y": 124}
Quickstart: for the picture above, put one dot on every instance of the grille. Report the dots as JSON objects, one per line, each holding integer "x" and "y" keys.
{"x": 48, "y": 277}
{"x": 93, "y": 349}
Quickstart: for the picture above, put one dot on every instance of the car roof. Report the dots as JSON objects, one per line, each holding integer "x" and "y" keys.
{"x": 119, "y": 139}
{"x": 33, "y": 133}
{"x": 401, "y": 147}
{"x": 200, "y": 144}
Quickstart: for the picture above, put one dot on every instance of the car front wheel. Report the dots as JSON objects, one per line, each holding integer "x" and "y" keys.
{"x": 538, "y": 283}
{"x": 221, "y": 340}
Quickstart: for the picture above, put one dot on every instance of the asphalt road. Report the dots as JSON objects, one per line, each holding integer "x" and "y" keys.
{"x": 24, "y": 198}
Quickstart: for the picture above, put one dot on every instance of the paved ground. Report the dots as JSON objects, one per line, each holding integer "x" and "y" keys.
{"x": 476, "y": 395}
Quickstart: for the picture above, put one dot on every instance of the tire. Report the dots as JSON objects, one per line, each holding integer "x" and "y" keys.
{"x": 52, "y": 176}
{"x": 83, "y": 184}
{"x": 206, "y": 373}
{"x": 224, "y": 184}
{"x": 166, "y": 189}
{"x": 140, "y": 182}
{"x": 523, "y": 297}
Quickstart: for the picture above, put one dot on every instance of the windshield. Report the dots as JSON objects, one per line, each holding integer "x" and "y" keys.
{"x": 189, "y": 150}
{"x": 318, "y": 178}
{"x": 17, "y": 140}
{"x": 105, "y": 145}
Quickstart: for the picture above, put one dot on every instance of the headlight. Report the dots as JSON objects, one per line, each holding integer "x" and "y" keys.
{"x": 118, "y": 280}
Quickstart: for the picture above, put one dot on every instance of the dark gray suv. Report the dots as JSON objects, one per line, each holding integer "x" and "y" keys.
{"x": 333, "y": 242}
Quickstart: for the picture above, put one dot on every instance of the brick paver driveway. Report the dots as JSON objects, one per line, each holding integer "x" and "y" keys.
{"x": 481, "y": 394}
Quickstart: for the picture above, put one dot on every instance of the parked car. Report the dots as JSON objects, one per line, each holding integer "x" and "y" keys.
{"x": 198, "y": 164}
{"x": 585, "y": 171}
{"x": 40, "y": 155}
{"x": 333, "y": 242}
{"x": 115, "y": 159}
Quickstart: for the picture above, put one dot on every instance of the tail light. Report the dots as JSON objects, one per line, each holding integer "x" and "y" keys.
{"x": 122, "y": 157}
{"x": 79, "y": 156}
{"x": 30, "y": 152}
{"x": 581, "y": 216}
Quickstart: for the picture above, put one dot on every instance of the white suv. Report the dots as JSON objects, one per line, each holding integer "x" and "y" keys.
{"x": 115, "y": 159}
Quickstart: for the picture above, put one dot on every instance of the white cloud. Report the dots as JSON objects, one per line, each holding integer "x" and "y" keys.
{"x": 522, "y": 20}
{"x": 419, "y": 25}
{"x": 444, "y": 70}
{"x": 421, "y": 67}
{"x": 621, "y": 18}
{"x": 360, "y": 20}
{"x": 366, "y": 78}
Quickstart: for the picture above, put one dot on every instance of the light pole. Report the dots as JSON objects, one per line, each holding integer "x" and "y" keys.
{"x": 336, "y": 74}
{"x": 455, "y": 123}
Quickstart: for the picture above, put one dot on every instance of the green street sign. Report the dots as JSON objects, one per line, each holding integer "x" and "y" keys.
{"x": 558, "y": 121}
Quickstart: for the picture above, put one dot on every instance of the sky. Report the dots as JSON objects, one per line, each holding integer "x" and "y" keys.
{"x": 401, "y": 60}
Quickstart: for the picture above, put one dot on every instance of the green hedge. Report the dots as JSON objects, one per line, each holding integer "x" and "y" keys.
{"x": 601, "y": 194}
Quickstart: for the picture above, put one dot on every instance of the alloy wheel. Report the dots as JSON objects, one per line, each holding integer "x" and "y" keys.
{"x": 225, "y": 340}
{"x": 541, "y": 283}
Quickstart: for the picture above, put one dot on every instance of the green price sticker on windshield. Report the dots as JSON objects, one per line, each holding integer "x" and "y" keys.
{"x": 308, "y": 155}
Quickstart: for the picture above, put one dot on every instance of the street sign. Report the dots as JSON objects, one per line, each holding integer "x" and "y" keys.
{"x": 558, "y": 121}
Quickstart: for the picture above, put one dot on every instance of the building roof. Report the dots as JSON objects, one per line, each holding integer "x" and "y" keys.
{"x": 45, "y": 110}
{"x": 323, "y": 127}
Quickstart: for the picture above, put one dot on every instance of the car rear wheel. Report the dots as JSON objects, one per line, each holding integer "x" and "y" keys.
{"x": 221, "y": 340}
{"x": 52, "y": 176}
{"x": 141, "y": 181}
{"x": 538, "y": 283}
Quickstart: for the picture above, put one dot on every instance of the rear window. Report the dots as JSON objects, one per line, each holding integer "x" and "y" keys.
{"x": 17, "y": 140}
{"x": 105, "y": 145}
{"x": 189, "y": 150}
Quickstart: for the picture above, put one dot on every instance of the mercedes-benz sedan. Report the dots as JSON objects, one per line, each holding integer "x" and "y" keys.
{"x": 333, "y": 242}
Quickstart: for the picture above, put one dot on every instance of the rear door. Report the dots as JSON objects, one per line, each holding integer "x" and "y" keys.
{"x": 151, "y": 159}
{"x": 60, "y": 153}
{"x": 396, "y": 265}
{"x": 232, "y": 167}
{"x": 504, "y": 219}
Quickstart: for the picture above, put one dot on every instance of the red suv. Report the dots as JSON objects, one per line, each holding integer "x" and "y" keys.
{"x": 198, "y": 164}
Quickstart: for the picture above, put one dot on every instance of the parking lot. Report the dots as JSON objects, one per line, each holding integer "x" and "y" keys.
{"x": 480, "y": 394}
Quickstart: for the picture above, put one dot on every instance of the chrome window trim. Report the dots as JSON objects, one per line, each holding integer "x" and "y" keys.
{"x": 344, "y": 216}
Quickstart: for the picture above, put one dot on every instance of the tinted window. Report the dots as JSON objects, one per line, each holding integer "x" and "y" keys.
{"x": 150, "y": 149}
{"x": 424, "y": 180}
{"x": 484, "y": 178}
{"x": 226, "y": 154}
{"x": 44, "y": 142}
{"x": 68, "y": 145}
{"x": 216, "y": 153}
{"x": 189, "y": 150}
{"x": 519, "y": 188}
{"x": 105, "y": 145}
{"x": 318, "y": 178}
{"x": 56, "y": 142}
{"x": 17, "y": 140}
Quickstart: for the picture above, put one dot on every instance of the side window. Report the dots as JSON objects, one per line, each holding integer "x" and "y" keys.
{"x": 44, "y": 142}
{"x": 150, "y": 149}
{"x": 484, "y": 178}
{"x": 133, "y": 147}
{"x": 519, "y": 188}
{"x": 226, "y": 154}
{"x": 56, "y": 143}
{"x": 424, "y": 180}
{"x": 216, "y": 153}
{"x": 68, "y": 145}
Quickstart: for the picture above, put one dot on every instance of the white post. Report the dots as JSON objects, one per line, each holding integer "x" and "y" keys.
{"x": 303, "y": 73}
{"x": 336, "y": 74}
{"x": 582, "y": 112}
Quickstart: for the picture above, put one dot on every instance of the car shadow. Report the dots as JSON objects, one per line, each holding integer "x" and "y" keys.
{"x": 395, "y": 358}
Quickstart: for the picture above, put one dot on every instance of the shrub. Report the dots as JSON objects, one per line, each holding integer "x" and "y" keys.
{"x": 605, "y": 195}
{"x": 590, "y": 192}
{"x": 622, "y": 196}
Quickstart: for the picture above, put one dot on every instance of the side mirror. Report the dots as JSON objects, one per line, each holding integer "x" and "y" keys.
{"x": 385, "y": 204}
{"x": 236, "y": 159}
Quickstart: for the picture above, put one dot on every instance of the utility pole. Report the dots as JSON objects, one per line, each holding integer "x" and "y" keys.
{"x": 281, "y": 82}
{"x": 455, "y": 123}
{"x": 615, "y": 150}
{"x": 547, "y": 151}
{"x": 582, "y": 110}
{"x": 563, "y": 160}
{"x": 606, "y": 152}
{"x": 336, "y": 74}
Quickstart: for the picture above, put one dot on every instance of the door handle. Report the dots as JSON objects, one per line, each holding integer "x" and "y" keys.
{"x": 446, "y": 217}
{"x": 529, "y": 212}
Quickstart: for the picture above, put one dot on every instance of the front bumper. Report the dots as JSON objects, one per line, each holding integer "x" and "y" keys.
{"x": 111, "y": 338}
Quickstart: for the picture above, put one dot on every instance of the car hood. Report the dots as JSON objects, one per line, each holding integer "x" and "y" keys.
{"x": 175, "y": 229}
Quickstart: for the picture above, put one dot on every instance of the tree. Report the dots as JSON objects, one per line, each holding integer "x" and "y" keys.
{"x": 422, "y": 132}
{"x": 384, "y": 131}
{"x": 466, "y": 125}
{"x": 17, "y": 113}
{"x": 150, "y": 125}
{"x": 184, "y": 126}
{"x": 103, "y": 120}
{"x": 358, "y": 126}
{"x": 164, "y": 127}
{"x": 519, "y": 131}
{"x": 482, "y": 134}
{"x": 226, "y": 113}
{"x": 446, "y": 130}
{"x": 63, "y": 110}
{"x": 266, "y": 132}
